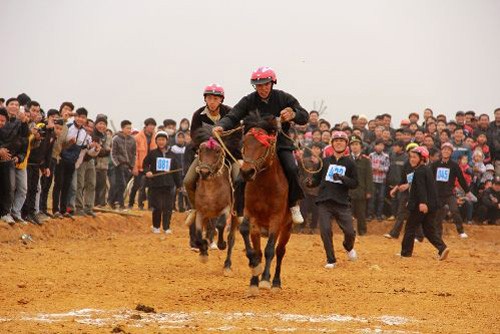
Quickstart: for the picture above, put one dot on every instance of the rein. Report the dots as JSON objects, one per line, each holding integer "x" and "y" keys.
{"x": 269, "y": 142}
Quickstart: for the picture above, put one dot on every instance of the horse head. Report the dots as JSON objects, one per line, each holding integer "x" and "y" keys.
{"x": 259, "y": 145}
{"x": 210, "y": 158}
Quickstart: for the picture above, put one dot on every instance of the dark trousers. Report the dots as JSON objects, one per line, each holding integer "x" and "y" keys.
{"x": 295, "y": 192}
{"x": 161, "y": 200}
{"x": 68, "y": 169}
{"x": 45, "y": 183}
{"x": 359, "y": 212}
{"x": 416, "y": 219}
{"x": 308, "y": 206}
{"x": 377, "y": 202}
{"x": 112, "y": 187}
{"x": 449, "y": 203}
{"x": 402, "y": 216}
{"x": 33, "y": 172}
{"x": 101, "y": 186}
{"x": 63, "y": 176}
{"x": 342, "y": 213}
{"x": 138, "y": 186}
{"x": 122, "y": 176}
{"x": 6, "y": 195}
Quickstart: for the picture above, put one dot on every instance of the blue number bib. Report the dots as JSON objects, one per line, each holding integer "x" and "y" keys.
{"x": 334, "y": 169}
{"x": 409, "y": 178}
{"x": 163, "y": 164}
{"x": 442, "y": 174}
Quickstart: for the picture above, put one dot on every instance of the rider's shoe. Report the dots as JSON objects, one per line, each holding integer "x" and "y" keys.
{"x": 296, "y": 215}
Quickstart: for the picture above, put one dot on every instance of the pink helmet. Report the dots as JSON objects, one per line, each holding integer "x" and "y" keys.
{"x": 422, "y": 151}
{"x": 339, "y": 135}
{"x": 263, "y": 75}
{"x": 213, "y": 89}
{"x": 447, "y": 145}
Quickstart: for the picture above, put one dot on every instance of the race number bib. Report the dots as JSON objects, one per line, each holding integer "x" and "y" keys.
{"x": 334, "y": 169}
{"x": 443, "y": 174}
{"x": 409, "y": 178}
{"x": 163, "y": 164}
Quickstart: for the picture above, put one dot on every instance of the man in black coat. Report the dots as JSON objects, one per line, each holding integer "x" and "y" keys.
{"x": 276, "y": 103}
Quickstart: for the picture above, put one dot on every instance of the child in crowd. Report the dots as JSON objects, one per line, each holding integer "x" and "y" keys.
{"x": 160, "y": 165}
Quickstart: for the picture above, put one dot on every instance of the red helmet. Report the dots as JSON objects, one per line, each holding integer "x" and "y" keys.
{"x": 263, "y": 75}
{"x": 213, "y": 89}
{"x": 447, "y": 145}
{"x": 339, "y": 135}
{"x": 422, "y": 151}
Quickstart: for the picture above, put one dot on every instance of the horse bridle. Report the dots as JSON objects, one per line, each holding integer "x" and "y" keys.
{"x": 215, "y": 169}
{"x": 258, "y": 163}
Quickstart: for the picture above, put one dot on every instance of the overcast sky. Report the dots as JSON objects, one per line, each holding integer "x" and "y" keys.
{"x": 135, "y": 59}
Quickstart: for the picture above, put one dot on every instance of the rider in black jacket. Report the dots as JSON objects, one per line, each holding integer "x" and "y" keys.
{"x": 276, "y": 103}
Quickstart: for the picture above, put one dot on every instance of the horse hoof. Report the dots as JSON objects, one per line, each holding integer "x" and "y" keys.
{"x": 203, "y": 258}
{"x": 222, "y": 245}
{"x": 276, "y": 289}
{"x": 253, "y": 291}
{"x": 257, "y": 270}
{"x": 228, "y": 272}
{"x": 266, "y": 285}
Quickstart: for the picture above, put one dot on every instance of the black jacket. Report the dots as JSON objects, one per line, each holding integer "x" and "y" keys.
{"x": 41, "y": 155}
{"x": 277, "y": 101}
{"x": 451, "y": 168}
{"x": 336, "y": 190}
{"x": 201, "y": 119}
{"x": 168, "y": 180}
{"x": 15, "y": 135}
{"x": 423, "y": 189}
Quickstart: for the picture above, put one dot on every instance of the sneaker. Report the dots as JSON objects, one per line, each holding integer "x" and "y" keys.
{"x": 463, "y": 235}
{"x": 8, "y": 219}
{"x": 79, "y": 213}
{"x": 352, "y": 255}
{"x": 68, "y": 215}
{"x": 18, "y": 219}
{"x": 388, "y": 236}
{"x": 156, "y": 230}
{"x": 469, "y": 222}
{"x": 47, "y": 214}
{"x": 190, "y": 218}
{"x": 296, "y": 215}
{"x": 330, "y": 265}
{"x": 213, "y": 246}
{"x": 168, "y": 231}
{"x": 42, "y": 217}
{"x": 57, "y": 215}
{"x": 33, "y": 220}
{"x": 444, "y": 255}
{"x": 90, "y": 214}
{"x": 123, "y": 209}
{"x": 391, "y": 218}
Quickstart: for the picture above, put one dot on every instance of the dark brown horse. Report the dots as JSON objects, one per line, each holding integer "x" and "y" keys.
{"x": 266, "y": 204}
{"x": 214, "y": 195}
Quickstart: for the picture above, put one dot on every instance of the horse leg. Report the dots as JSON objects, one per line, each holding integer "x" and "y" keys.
{"x": 280, "y": 253}
{"x": 220, "y": 224}
{"x": 201, "y": 243}
{"x": 210, "y": 231}
{"x": 255, "y": 262}
{"x": 265, "y": 282}
{"x": 230, "y": 240}
{"x": 245, "y": 233}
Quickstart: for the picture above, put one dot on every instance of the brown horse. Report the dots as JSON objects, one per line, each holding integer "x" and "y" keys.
{"x": 266, "y": 204}
{"x": 214, "y": 195}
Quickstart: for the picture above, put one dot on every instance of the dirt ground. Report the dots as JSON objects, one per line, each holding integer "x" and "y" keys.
{"x": 88, "y": 276}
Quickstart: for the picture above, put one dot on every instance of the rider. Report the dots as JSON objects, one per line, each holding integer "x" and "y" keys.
{"x": 206, "y": 116}
{"x": 269, "y": 101}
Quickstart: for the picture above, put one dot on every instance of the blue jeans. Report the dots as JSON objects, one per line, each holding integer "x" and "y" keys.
{"x": 377, "y": 201}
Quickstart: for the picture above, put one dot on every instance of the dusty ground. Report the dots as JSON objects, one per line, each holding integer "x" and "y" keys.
{"x": 88, "y": 275}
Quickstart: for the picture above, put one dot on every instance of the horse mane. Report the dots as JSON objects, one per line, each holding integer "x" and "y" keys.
{"x": 255, "y": 120}
{"x": 232, "y": 141}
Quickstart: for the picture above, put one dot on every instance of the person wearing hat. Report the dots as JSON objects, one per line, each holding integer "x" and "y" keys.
{"x": 447, "y": 173}
{"x": 401, "y": 191}
{"x": 363, "y": 192}
{"x": 337, "y": 177}
{"x": 398, "y": 158}
{"x": 144, "y": 143}
{"x": 162, "y": 177}
{"x": 422, "y": 205}
{"x": 102, "y": 159}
